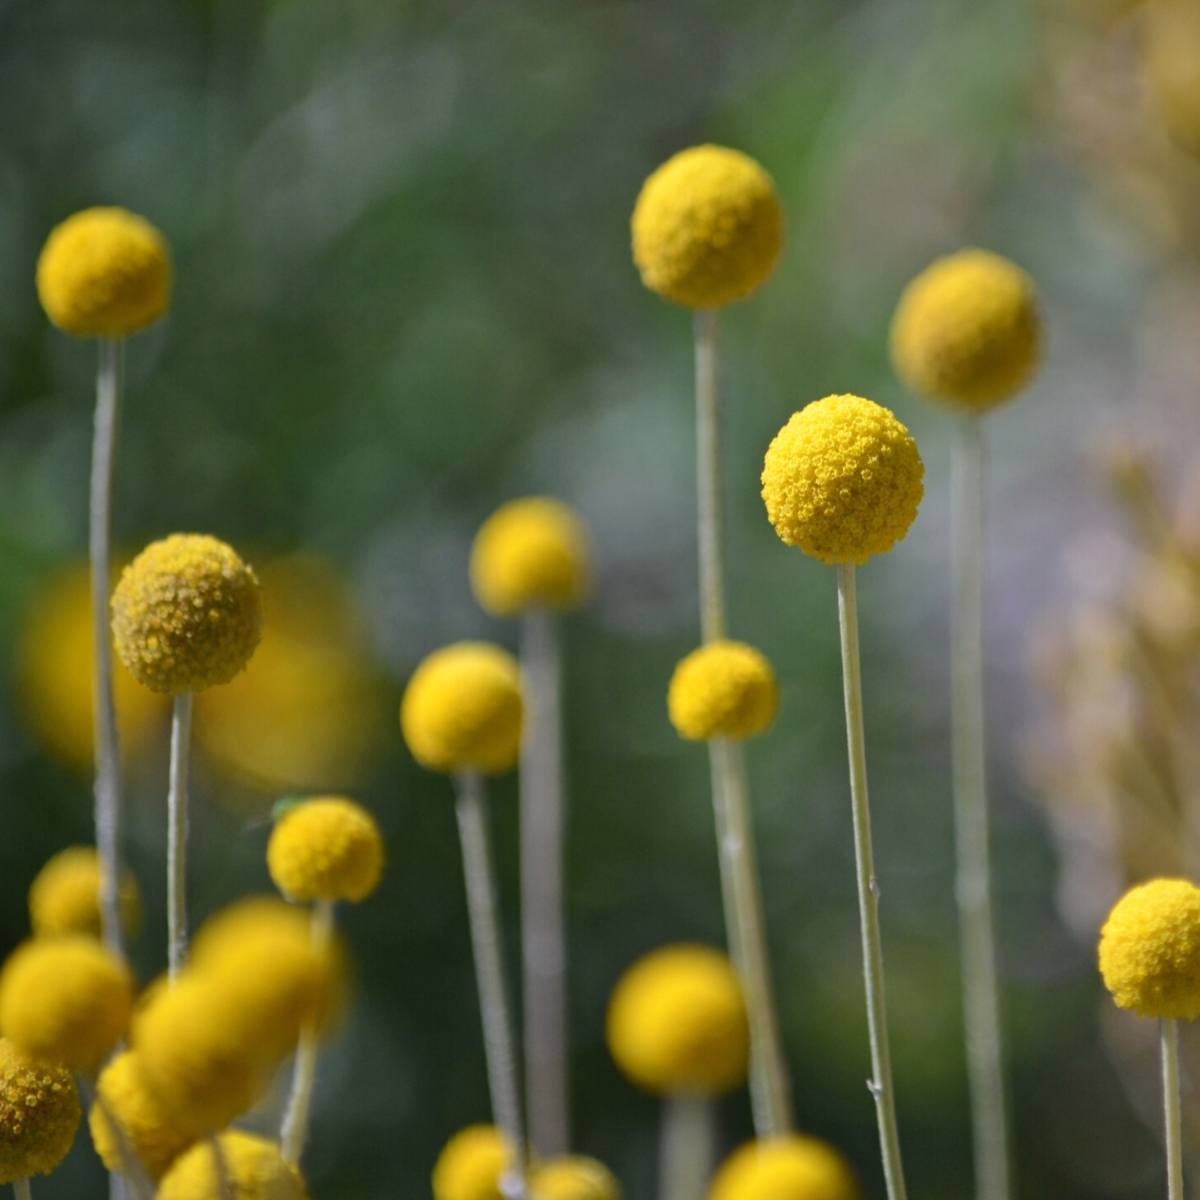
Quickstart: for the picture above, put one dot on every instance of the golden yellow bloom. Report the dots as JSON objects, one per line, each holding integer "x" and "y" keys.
{"x": 147, "y": 1127}
{"x": 39, "y": 1114}
{"x": 966, "y": 330}
{"x": 707, "y": 227}
{"x": 65, "y": 895}
{"x": 186, "y": 614}
{"x": 104, "y": 272}
{"x": 254, "y": 1168}
{"x": 677, "y": 1022}
{"x": 842, "y": 480}
{"x": 1150, "y": 949}
{"x": 1171, "y": 67}
{"x": 530, "y": 553}
{"x": 471, "y": 1164}
{"x": 793, "y": 1167}
{"x": 67, "y": 1000}
{"x": 722, "y": 690}
{"x": 328, "y": 848}
{"x": 462, "y": 709}
{"x": 573, "y": 1178}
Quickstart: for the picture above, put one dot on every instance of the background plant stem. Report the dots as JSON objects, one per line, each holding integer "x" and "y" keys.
{"x": 708, "y": 480}
{"x": 1169, "y": 1034}
{"x": 177, "y": 832}
{"x": 685, "y": 1148}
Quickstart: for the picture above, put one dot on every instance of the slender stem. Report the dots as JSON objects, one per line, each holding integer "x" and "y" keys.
{"x": 294, "y": 1129}
{"x": 880, "y": 1084}
{"x": 981, "y": 1004}
{"x": 685, "y": 1148}
{"x": 543, "y": 940}
{"x": 133, "y": 1177}
{"x": 104, "y": 713}
{"x": 708, "y": 480}
{"x": 177, "y": 832}
{"x": 21, "y": 1189}
{"x": 1169, "y": 1030}
{"x": 770, "y": 1088}
{"x": 489, "y": 973}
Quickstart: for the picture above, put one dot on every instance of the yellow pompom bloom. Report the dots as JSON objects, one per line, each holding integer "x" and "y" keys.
{"x": 326, "y": 849}
{"x": 67, "y": 1000}
{"x": 147, "y": 1128}
{"x": 39, "y": 1114}
{"x": 529, "y": 553}
{"x": 186, "y": 614}
{"x": 966, "y": 330}
{"x": 253, "y": 1166}
{"x": 104, "y": 272}
{"x": 471, "y": 1164}
{"x": 462, "y": 709}
{"x": 793, "y": 1167}
{"x": 677, "y": 1022}
{"x": 707, "y": 227}
{"x": 1150, "y": 949}
{"x": 722, "y": 690}
{"x": 65, "y": 895}
{"x": 842, "y": 480}
{"x": 573, "y": 1178}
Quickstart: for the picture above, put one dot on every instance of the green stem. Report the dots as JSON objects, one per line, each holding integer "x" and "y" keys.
{"x": 1169, "y": 1032}
{"x": 708, "y": 480}
{"x": 21, "y": 1189}
{"x": 177, "y": 833}
{"x": 880, "y": 1084}
{"x": 685, "y": 1147}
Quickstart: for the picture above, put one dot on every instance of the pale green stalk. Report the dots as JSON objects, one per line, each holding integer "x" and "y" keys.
{"x": 21, "y": 1189}
{"x": 1169, "y": 1033}
{"x": 177, "y": 833}
{"x": 708, "y": 480}
{"x": 685, "y": 1147}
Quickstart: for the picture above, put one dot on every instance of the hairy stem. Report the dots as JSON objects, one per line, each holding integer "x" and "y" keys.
{"x": 177, "y": 833}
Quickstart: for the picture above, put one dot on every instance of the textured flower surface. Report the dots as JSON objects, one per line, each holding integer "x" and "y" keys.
{"x": 842, "y": 480}
{"x": 39, "y": 1114}
{"x": 677, "y": 1022}
{"x": 470, "y": 1165}
{"x": 793, "y": 1167}
{"x": 186, "y": 614}
{"x": 966, "y": 330}
{"x": 104, "y": 272}
{"x": 253, "y": 1166}
{"x": 328, "y": 848}
{"x": 462, "y": 709}
{"x": 530, "y": 552}
{"x": 707, "y": 227}
{"x": 723, "y": 689}
{"x": 64, "y": 896}
{"x": 573, "y": 1178}
{"x": 1150, "y": 949}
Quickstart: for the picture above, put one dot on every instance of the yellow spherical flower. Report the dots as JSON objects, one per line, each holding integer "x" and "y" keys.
{"x": 147, "y": 1127}
{"x": 529, "y": 553}
{"x": 842, "y": 480}
{"x": 707, "y": 227}
{"x": 966, "y": 330}
{"x": 65, "y": 895}
{"x": 793, "y": 1167}
{"x": 1150, "y": 949}
{"x": 722, "y": 690}
{"x": 39, "y": 1114}
{"x": 67, "y": 1000}
{"x": 186, "y": 614}
{"x": 104, "y": 272}
{"x": 462, "y": 709}
{"x": 253, "y": 1166}
{"x": 573, "y": 1178}
{"x": 326, "y": 849}
{"x": 471, "y": 1164}
{"x": 677, "y": 1022}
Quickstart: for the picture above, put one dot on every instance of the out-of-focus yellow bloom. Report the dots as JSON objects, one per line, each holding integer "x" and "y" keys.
{"x": 254, "y": 1168}
{"x": 462, "y": 709}
{"x": 677, "y": 1022}
{"x": 39, "y": 1114}
{"x": 328, "y": 848}
{"x": 471, "y": 1164}
{"x": 1171, "y": 64}
{"x": 64, "y": 896}
{"x": 723, "y": 689}
{"x": 104, "y": 272}
{"x": 842, "y": 480}
{"x": 530, "y": 553}
{"x": 793, "y": 1167}
{"x": 186, "y": 614}
{"x": 573, "y": 1178}
{"x": 707, "y": 227}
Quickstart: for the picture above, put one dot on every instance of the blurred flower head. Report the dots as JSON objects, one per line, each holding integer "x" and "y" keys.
{"x": 723, "y": 689}
{"x": 253, "y": 1167}
{"x": 65, "y": 896}
{"x": 471, "y": 1164}
{"x": 573, "y": 1177}
{"x": 792, "y": 1167}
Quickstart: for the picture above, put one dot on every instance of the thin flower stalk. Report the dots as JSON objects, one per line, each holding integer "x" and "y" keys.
{"x": 685, "y": 1151}
{"x": 21, "y": 1189}
{"x": 1172, "y": 1120}
{"x": 177, "y": 833}
{"x": 710, "y": 541}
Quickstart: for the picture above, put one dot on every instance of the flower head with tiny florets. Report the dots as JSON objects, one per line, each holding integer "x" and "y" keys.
{"x": 39, "y": 1114}
{"x": 722, "y": 690}
{"x": 327, "y": 848}
{"x": 793, "y": 1167}
{"x": 573, "y": 1177}
{"x": 471, "y": 1164}
{"x": 253, "y": 1166}
{"x": 64, "y": 896}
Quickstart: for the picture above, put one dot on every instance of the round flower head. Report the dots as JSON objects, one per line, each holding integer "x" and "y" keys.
{"x": 462, "y": 709}
{"x": 966, "y": 330}
{"x": 147, "y": 1128}
{"x": 529, "y": 553}
{"x": 793, "y": 1167}
{"x": 1150, "y": 949}
{"x": 842, "y": 480}
{"x": 677, "y": 1022}
{"x": 723, "y": 689}
{"x": 65, "y": 895}
{"x": 471, "y": 1164}
{"x": 39, "y": 1114}
{"x": 707, "y": 227}
{"x": 67, "y": 1000}
{"x": 326, "y": 849}
{"x": 104, "y": 272}
{"x": 186, "y": 614}
{"x": 253, "y": 1166}
{"x": 573, "y": 1178}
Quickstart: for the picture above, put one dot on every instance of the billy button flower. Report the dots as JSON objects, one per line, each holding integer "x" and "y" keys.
{"x": 39, "y": 1114}
{"x": 64, "y": 896}
{"x": 724, "y": 689}
{"x": 573, "y": 1177}
{"x": 249, "y": 1168}
{"x": 472, "y": 1164}
{"x": 795, "y": 1167}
